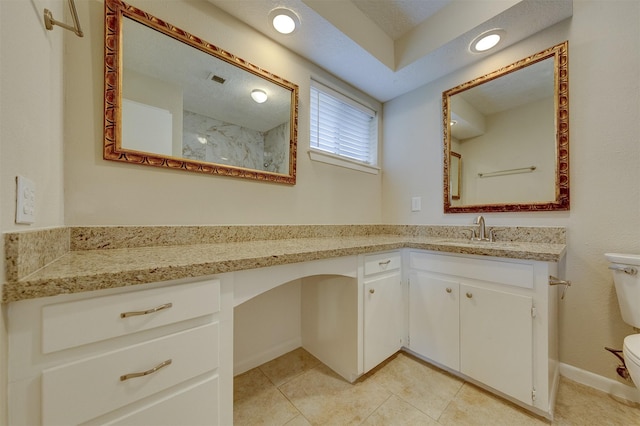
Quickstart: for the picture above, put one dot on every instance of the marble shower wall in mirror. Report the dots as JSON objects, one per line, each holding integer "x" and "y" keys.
{"x": 210, "y": 140}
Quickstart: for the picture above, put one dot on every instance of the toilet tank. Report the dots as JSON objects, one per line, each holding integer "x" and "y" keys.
{"x": 626, "y": 276}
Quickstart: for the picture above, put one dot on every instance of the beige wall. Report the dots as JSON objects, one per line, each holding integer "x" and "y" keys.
{"x": 31, "y": 111}
{"x": 267, "y": 326}
{"x": 604, "y": 69}
{"x": 160, "y": 94}
{"x": 31, "y": 116}
{"x": 511, "y": 140}
{"x": 99, "y": 192}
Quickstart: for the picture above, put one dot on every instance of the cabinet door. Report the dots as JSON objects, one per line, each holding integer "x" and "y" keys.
{"x": 496, "y": 340}
{"x": 434, "y": 319}
{"x": 383, "y": 315}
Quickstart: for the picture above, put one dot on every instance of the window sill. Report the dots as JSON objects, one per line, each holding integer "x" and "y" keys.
{"x": 336, "y": 160}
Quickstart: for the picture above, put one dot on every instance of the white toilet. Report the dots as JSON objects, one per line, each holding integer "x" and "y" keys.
{"x": 626, "y": 275}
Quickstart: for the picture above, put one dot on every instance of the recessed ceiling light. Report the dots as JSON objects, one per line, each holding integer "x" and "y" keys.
{"x": 284, "y": 20}
{"x": 486, "y": 40}
{"x": 259, "y": 95}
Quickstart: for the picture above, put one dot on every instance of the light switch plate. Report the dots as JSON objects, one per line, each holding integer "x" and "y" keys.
{"x": 416, "y": 204}
{"x": 25, "y": 200}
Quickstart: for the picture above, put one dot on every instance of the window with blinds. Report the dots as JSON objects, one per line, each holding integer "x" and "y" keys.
{"x": 342, "y": 126}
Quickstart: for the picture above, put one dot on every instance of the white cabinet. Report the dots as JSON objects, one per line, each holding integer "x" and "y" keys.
{"x": 434, "y": 319}
{"x": 496, "y": 337}
{"x": 383, "y": 308}
{"x": 491, "y": 320}
{"x": 331, "y": 321}
{"x": 127, "y": 357}
{"x": 353, "y": 324}
{"x": 484, "y": 334}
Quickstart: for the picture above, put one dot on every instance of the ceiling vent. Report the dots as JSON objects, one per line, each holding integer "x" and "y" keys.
{"x": 216, "y": 78}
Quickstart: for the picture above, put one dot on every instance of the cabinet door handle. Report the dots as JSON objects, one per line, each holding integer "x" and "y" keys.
{"x": 145, "y": 373}
{"x": 448, "y": 289}
{"x": 371, "y": 290}
{"x": 469, "y": 295}
{"x": 148, "y": 311}
{"x": 385, "y": 263}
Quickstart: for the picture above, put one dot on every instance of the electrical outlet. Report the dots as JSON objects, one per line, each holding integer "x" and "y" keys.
{"x": 416, "y": 204}
{"x": 25, "y": 200}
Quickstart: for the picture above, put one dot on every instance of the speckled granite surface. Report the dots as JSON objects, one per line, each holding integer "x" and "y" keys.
{"x": 26, "y": 252}
{"x": 115, "y": 237}
{"x": 196, "y": 251}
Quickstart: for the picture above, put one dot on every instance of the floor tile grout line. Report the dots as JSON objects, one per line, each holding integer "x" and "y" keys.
{"x": 378, "y": 407}
{"x": 418, "y": 408}
{"x": 260, "y": 367}
{"x": 423, "y": 363}
{"x": 453, "y": 398}
{"x": 293, "y": 405}
{"x": 288, "y": 399}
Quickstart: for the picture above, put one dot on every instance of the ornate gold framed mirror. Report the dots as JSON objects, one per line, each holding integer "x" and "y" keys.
{"x": 512, "y": 128}
{"x": 173, "y": 100}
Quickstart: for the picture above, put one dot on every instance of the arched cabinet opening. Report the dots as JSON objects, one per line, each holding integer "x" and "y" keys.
{"x": 318, "y": 313}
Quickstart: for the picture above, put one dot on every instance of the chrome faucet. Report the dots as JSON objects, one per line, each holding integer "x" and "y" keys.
{"x": 482, "y": 234}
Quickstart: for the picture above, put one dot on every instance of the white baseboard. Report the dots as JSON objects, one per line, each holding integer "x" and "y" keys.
{"x": 604, "y": 384}
{"x": 240, "y": 366}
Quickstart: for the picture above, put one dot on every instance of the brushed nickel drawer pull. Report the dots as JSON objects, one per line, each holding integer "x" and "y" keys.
{"x": 148, "y": 311}
{"x": 371, "y": 290}
{"x": 145, "y": 373}
{"x": 385, "y": 263}
{"x": 449, "y": 290}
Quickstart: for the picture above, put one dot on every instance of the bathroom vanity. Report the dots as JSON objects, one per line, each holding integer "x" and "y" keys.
{"x": 102, "y": 347}
{"x": 494, "y": 321}
{"x": 148, "y": 356}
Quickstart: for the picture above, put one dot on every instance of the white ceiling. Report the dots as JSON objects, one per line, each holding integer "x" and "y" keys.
{"x": 398, "y": 17}
{"x": 389, "y": 47}
{"x": 530, "y": 84}
{"x": 154, "y": 55}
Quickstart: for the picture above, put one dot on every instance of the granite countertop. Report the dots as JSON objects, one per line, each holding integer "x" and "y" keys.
{"x": 86, "y": 270}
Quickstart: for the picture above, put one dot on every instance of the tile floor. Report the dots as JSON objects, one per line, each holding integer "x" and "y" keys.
{"x": 296, "y": 389}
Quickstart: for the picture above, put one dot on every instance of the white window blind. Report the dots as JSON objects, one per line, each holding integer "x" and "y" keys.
{"x": 342, "y": 126}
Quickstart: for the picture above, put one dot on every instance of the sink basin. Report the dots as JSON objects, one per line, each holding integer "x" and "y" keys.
{"x": 471, "y": 243}
{"x": 462, "y": 241}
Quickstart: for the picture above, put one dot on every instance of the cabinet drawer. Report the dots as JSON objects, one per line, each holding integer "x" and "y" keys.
{"x": 82, "y": 390}
{"x": 196, "y": 405}
{"x": 518, "y": 274}
{"x": 70, "y": 324}
{"x": 382, "y": 262}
